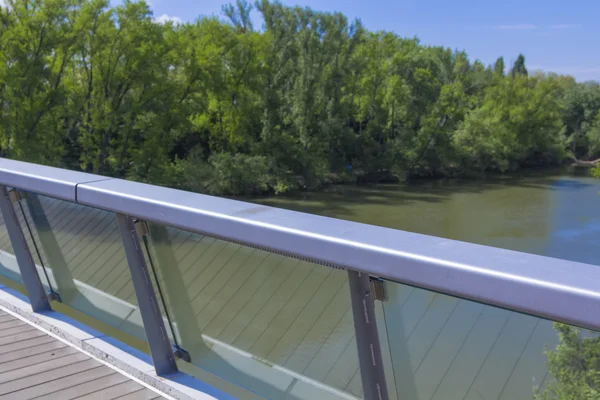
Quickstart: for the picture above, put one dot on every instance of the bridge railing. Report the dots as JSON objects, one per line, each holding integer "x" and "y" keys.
{"x": 287, "y": 304}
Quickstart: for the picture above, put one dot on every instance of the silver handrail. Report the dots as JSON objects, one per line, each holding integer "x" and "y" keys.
{"x": 559, "y": 290}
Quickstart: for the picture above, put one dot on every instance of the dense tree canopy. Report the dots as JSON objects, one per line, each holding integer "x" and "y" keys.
{"x": 219, "y": 106}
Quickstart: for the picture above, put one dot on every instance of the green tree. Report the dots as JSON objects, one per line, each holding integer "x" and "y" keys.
{"x": 311, "y": 99}
{"x": 581, "y": 105}
{"x": 519, "y": 66}
{"x": 499, "y": 67}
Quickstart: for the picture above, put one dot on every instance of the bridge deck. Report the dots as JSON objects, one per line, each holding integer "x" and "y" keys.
{"x": 34, "y": 365}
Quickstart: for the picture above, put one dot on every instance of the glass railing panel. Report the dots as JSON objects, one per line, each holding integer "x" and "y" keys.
{"x": 85, "y": 261}
{"x": 278, "y": 326}
{"x": 442, "y": 347}
{"x": 9, "y": 268}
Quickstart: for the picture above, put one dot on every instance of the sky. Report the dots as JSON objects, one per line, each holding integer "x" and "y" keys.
{"x": 561, "y": 36}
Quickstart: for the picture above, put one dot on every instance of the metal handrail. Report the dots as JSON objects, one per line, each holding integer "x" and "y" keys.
{"x": 550, "y": 288}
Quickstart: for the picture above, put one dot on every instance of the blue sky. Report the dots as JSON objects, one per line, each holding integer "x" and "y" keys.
{"x": 555, "y": 35}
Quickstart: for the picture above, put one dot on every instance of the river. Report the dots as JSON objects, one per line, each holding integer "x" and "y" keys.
{"x": 546, "y": 213}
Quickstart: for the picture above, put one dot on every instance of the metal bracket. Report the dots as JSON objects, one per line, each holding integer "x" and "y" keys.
{"x": 54, "y": 296}
{"x": 182, "y": 354}
{"x": 142, "y": 228}
{"x": 379, "y": 289}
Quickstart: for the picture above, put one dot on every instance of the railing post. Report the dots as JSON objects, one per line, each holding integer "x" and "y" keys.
{"x": 156, "y": 333}
{"x": 367, "y": 339}
{"x": 31, "y": 279}
{"x": 58, "y": 264}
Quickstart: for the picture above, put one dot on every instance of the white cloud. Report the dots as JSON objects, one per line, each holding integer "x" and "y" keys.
{"x": 517, "y": 27}
{"x": 565, "y": 26}
{"x": 163, "y": 19}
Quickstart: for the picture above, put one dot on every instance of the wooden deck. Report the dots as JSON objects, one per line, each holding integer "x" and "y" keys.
{"x": 282, "y": 327}
{"x": 34, "y": 365}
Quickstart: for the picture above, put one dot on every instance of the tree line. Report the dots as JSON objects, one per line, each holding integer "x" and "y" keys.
{"x": 310, "y": 98}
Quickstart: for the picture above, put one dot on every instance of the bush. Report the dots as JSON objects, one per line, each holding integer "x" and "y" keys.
{"x": 237, "y": 174}
{"x": 575, "y": 365}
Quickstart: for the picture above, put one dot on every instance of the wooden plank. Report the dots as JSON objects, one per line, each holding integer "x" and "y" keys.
{"x": 6, "y": 317}
{"x": 144, "y": 394}
{"x": 51, "y": 375}
{"x": 31, "y": 351}
{"x": 12, "y": 323}
{"x": 26, "y": 334}
{"x": 36, "y": 359}
{"x": 92, "y": 389}
{"x": 47, "y": 387}
{"x": 117, "y": 390}
{"x": 40, "y": 367}
{"x": 25, "y": 343}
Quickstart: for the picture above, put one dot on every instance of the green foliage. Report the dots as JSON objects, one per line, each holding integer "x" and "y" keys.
{"x": 575, "y": 365}
{"x": 519, "y": 67}
{"x": 238, "y": 174}
{"x": 216, "y": 106}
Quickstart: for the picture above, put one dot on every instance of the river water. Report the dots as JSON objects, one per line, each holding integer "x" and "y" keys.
{"x": 552, "y": 214}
